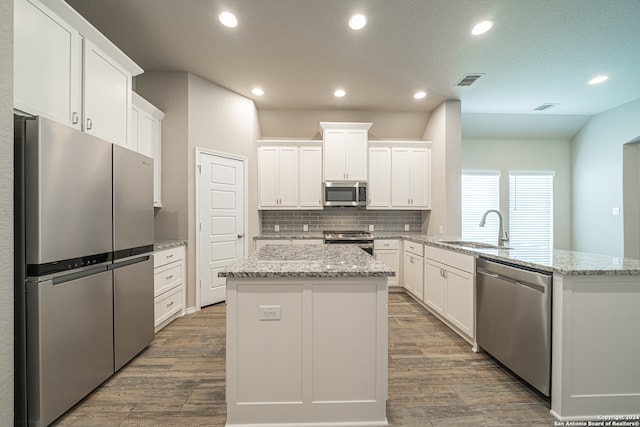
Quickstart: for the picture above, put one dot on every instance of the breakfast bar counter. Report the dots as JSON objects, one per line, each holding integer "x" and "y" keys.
{"x": 307, "y": 337}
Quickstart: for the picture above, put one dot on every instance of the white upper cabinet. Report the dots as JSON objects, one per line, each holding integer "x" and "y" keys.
{"x": 399, "y": 175}
{"x": 47, "y": 64}
{"x": 278, "y": 177}
{"x": 65, "y": 70}
{"x": 145, "y": 137}
{"x": 311, "y": 177}
{"x": 107, "y": 96}
{"x": 345, "y": 151}
{"x": 379, "y": 185}
{"x": 410, "y": 178}
{"x": 290, "y": 174}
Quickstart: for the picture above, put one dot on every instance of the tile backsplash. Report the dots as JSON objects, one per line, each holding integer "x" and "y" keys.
{"x": 336, "y": 218}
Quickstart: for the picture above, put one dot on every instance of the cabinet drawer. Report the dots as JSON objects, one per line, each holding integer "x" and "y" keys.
{"x": 166, "y": 256}
{"x": 168, "y": 304}
{"x": 451, "y": 258}
{"x": 386, "y": 244}
{"x": 414, "y": 248}
{"x": 167, "y": 277}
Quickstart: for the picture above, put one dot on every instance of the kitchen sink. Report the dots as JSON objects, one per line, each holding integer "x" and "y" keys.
{"x": 474, "y": 245}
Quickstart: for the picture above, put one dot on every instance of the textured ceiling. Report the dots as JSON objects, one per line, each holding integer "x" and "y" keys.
{"x": 300, "y": 51}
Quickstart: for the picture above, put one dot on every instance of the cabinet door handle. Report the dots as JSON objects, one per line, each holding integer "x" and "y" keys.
{"x": 75, "y": 118}
{"x": 89, "y": 124}
{"x": 240, "y": 236}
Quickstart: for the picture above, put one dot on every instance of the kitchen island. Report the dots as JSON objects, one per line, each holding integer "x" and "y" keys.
{"x": 307, "y": 337}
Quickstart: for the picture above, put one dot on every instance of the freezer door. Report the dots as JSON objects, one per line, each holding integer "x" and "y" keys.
{"x": 68, "y": 193}
{"x": 132, "y": 307}
{"x": 132, "y": 199}
{"x": 69, "y": 342}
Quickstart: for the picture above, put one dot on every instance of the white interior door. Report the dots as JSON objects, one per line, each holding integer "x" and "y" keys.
{"x": 221, "y": 221}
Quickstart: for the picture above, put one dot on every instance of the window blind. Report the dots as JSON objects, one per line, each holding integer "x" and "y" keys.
{"x": 480, "y": 192}
{"x": 531, "y": 208}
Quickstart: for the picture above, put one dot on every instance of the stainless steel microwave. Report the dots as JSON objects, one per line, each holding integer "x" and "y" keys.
{"x": 345, "y": 193}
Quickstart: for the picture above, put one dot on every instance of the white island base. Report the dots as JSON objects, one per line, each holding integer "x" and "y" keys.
{"x": 307, "y": 351}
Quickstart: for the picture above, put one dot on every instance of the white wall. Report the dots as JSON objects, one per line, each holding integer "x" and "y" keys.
{"x": 506, "y": 155}
{"x": 6, "y": 216}
{"x": 221, "y": 121}
{"x": 597, "y": 161}
{"x": 305, "y": 124}
{"x": 168, "y": 91}
{"x": 198, "y": 113}
{"x": 444, "y": 131}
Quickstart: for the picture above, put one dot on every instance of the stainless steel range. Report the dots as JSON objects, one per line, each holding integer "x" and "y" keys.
{"x": 363, "y": 239}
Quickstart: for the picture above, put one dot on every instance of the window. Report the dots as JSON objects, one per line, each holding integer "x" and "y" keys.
{"x": 531, "y": 208}
{"x": 480, "y": 192}
{"x": 530, "y": 201}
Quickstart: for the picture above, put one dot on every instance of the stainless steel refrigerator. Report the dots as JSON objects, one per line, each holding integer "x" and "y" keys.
{"x": 133, "y": 306}
{"x": 70, "y": 283}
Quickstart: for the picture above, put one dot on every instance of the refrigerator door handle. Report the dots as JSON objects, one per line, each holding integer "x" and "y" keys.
{"x": 78, "y": 275}
{"x": 129, "y": 261}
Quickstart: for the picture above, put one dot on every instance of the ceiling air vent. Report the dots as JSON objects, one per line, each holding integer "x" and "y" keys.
{"x": 469, "y": 79}
{"x": 546, "y": 106}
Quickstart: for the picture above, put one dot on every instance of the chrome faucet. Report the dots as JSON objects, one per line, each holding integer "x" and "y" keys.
{"x": 503, "y": 236}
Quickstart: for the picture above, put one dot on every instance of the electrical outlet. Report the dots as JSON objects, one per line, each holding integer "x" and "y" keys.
{"x": 276, "y": 228}
{"x": 270, "y": 312}
{"x": 406, "y": 227}
{"x": 370, "y": 227}
{"x": 441, "y": 230}
{"x": 616, "y": 211}
{"x": 305, "y": 227}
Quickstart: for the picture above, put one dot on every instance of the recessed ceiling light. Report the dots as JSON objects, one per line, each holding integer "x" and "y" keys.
{"x": 228, "y": 19}
{"x": 339, "y": 93}
{"x": 482, "y": 28}
{"x": 357, "y": 22}
{"x": 599, "y": 79}
{"x": 419, "y": 95}
{"x": 257, "y": 91}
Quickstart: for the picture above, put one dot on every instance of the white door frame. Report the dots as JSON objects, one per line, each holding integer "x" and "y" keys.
{"x": 198, "y": 166}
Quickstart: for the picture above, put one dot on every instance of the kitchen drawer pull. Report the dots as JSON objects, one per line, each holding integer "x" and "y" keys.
{"x": 170, "y": 304}
{"x": 170, "y": 256}
{"x": 169, "y": 277}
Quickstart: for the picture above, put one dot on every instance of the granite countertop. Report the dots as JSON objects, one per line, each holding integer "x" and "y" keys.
{"x": 544, "y": 258}
{"x": 538, "y": 257}
{"x": 161, "y": 245}
{"x": 302, "y": 235}
{"x": 308, "y": 261}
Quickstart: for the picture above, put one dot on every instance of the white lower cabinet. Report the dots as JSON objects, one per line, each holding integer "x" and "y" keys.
{"x": 387, "y": 251}
{"x": 169, "y": 285}
{"x": 449, "y": 289}
{"x": 413, "y": 268}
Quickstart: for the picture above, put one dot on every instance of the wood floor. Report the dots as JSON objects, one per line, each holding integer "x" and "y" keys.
{"x": 434, "y": 379}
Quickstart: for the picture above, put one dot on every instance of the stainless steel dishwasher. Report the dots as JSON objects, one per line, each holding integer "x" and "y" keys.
{"x": 513, "y": 319}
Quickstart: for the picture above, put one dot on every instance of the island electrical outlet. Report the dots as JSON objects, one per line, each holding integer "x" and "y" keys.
{"x": 270, "y": 312}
